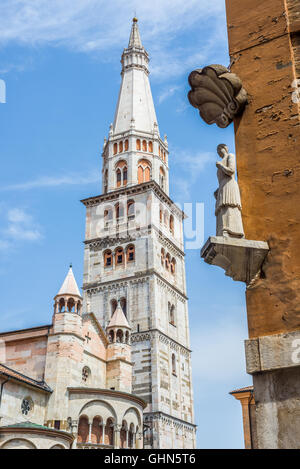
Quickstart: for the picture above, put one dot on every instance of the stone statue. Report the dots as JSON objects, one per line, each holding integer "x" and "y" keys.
{"x": 228, "y": 199}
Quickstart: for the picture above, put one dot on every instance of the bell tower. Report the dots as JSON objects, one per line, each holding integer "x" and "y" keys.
{"x": 134, "y": 269}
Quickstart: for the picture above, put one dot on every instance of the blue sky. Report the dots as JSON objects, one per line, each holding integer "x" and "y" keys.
{"x": 61, "y": 64}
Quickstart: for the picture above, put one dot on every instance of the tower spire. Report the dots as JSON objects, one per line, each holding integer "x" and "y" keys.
{"x": 135, "y": 102}
{"x": 135, "y": 38}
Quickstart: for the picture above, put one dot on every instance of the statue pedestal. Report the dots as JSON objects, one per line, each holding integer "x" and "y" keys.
{"x": 240, "y": 258}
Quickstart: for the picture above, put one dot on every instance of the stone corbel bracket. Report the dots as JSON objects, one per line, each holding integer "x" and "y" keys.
{"x": 240, "y": 258}
{"x": 217, "y": 93}
{"x": 272, "y": 352}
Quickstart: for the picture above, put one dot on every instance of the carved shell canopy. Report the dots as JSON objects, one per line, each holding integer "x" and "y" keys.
{"x": 217, "y": 93}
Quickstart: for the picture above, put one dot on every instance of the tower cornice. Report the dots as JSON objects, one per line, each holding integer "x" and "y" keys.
{"x": 136, "y": 189}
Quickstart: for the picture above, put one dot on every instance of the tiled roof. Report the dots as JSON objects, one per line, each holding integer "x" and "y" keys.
{"x": 247, "y": 388}
{"x": 27, "y": 425}
{"x": 10, "y": 373}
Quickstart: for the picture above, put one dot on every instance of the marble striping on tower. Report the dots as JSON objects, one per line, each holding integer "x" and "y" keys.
{"x": 134, "y": 257}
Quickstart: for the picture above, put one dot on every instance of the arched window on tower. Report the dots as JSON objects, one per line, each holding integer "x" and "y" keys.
{"x": 130, "y": 209}
{"x": 150, "y": 147}
{"x": 126, "y": 145}
{"x": 173, "y": 364}
{"x": 138, "y": 144}
{"x": 162, "y": 257}
{"x": 105, "y": 181}
{"x": 108, "y": 215}
{"x": 120, "y": 147}
{"x": 119, "y": 207}
{"x": 107, "y": 258}
{"x": 144, "y": 171}
{"x": 172, "y": 224}
{"x": 113, "y": 305}
{"x": 162, "y": 178}
{"x": 130, "y": 253}
{"x": 115, "y": 148}
{"x": 144, "y": 145}
{"x": 160, "y": 215}
{"x": 172, "y": 315}
{"x": 173, "y": 266}
{"x": 167, "y": 263}
{"x": 121, "y": 173}
{"x": 119, "y": 177}
{"x": 119, "y": 256}
{"x": 61, "y": 305}
{"x": 123, "y": 304}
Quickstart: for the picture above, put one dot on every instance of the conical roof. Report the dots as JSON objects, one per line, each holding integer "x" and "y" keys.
{"x": 135, "y": 103}
{"x": 69, "y": 286}
{"x": 135, "y": 38}
{"x": 118, "y": 319}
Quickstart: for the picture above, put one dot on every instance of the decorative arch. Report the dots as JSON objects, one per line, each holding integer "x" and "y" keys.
{"x": 144, "y": 171}
{"x": 83, "y": 429}
{"x": 98, "y": 407}
{"x": 121, "y": 173}
{"x": 18, "y": 443}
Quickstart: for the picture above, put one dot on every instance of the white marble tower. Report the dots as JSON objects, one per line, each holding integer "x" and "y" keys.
{"x": 134, "y": 257}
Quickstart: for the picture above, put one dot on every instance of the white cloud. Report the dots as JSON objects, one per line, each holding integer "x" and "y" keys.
{"x": 167, "y": 93}
{"x": 54, "y": 181}
{"x": 98, "y": 26}
{"x": 19, "y": 225}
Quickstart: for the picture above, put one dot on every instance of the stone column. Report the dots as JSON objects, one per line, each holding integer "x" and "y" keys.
{"x": 103, "y": 434}
{"x": 90, "y": 433}
{"x": 74, "y": 431}
{"x": 117, "y": 429}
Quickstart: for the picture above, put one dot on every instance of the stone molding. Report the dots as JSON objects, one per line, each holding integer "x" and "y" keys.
{"x": 108, "y": 392}
{"x": 169, "y": 420}
{"x": 273, "y": 352}
{"x": 157, "y": 334}
{"x": 136, "y": 189}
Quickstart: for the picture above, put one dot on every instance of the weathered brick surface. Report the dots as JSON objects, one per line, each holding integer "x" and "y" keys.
{"x": 267, "y": 147}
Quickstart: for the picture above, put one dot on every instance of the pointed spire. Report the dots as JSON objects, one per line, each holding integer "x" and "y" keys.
{"x": 135, "y": 38}
{"x": 69, "y": 286}
{"x": 118, "y": 319}
{"x": 135, "y": 108}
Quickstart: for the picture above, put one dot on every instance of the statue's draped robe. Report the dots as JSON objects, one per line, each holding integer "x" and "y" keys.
{"x": 228, "y": 200}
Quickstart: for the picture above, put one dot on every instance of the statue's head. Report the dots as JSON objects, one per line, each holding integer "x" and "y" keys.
{"x": 222, "y": 150}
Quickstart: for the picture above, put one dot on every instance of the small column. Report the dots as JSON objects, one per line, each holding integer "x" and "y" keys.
{"x": 90, "y": 433}
{"x": 103, "y": 434}
{"x": 117, "y": 429}
{"x": 74, "y": 431}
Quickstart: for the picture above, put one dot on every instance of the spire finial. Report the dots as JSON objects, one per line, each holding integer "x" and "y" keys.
{"x": 70, "y": 265}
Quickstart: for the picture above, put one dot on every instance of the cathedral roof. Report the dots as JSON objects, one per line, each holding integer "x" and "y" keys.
{"x": 118, "y": 319}
{"x": 16, "y": 375}
{"x": 69, "y": 286}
